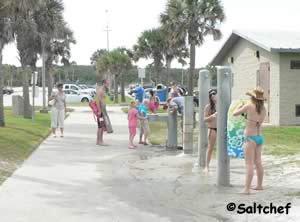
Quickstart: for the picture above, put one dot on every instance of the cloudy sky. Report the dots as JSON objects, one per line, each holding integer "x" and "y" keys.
{"x": 128, "y": 18}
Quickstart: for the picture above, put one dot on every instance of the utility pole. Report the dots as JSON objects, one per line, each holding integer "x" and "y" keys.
{"x": 107, "y": 30}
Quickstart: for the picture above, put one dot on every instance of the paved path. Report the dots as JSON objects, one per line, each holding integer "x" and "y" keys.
{"x": 72, "y": 180}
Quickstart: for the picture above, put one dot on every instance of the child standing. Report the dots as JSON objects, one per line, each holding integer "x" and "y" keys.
{"x": 153, "y": 102}
{"x": 144, "y": 125}
{"x": 132, "y": 124}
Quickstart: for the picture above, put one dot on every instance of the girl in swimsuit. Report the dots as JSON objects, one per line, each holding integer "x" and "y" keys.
{"x": 255, "y": 113}
{"x": 210, "y": 117}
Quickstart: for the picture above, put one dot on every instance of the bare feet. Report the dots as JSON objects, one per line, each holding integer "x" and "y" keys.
{"x": 134, "y": 145}
{"x": 247, "y": 192}
{"x": 205, "y": 171}
{"x": 257, "y": 188}
{"x": 102, "y": 144}
{"x": 141, "y": 142}
{"x": 131, "y": 147}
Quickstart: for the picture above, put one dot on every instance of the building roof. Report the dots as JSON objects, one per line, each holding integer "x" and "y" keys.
{"x": 270, "y": 40}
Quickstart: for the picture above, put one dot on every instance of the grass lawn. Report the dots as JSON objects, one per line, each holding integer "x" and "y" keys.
{"x": 279, "y": 141}
{"x": 107, "y": 101}
{"x": 19, "y": 139}
{"x": 160, "y": 110}
{"x": 282, "y": 140}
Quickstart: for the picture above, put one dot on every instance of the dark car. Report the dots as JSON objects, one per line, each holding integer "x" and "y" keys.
{"x": 7, "y": 90}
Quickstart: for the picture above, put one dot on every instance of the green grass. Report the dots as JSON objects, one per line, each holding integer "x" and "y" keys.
{"x": 279, "y": 141}
{"x": 282, "y": 141}
{"x": 160, "y": 110}
{"x": 19, "y": 139}
{"x": 107, "y": 101}
{"x": 157, "y": 132}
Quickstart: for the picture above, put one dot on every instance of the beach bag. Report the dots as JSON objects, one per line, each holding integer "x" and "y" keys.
{"x": 51, "y": 102}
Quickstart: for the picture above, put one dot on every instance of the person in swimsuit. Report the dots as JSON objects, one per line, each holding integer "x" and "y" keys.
{"x": 100, "y": 100}
{"x": 254, "y": 112}
{"x": 210, "y": 117}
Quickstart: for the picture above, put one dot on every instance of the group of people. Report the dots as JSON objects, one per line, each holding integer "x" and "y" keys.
{"x": 254, "y": 112}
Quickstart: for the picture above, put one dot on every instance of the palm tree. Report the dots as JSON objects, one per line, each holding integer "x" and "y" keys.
{"x": 115, "y": 61}
{"x": 6, "y": 36}
{"x": 193, "y": 20}
{"x": 98, "y": 53}
{"x": 172, "y": 47}
{"x": 150, "y": 45}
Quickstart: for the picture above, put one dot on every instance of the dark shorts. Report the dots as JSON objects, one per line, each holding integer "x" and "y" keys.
{"x": 101, "y": 123}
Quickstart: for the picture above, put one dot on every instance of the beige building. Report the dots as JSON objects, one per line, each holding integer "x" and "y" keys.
{"x": 270, "y": 59}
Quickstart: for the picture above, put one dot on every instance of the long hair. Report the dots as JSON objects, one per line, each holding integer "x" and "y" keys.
{"x": 259, "y": 104}
{"x": 212, "y": 105}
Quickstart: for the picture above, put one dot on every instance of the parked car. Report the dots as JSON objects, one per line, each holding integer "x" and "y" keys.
{"x": 75, "y": 87}
{"x": 7, "y": 90}
{"x": 73, "y": 96}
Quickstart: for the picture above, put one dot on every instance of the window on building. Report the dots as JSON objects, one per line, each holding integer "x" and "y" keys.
{"x": 257, "y": 54}
{"x": 295, "y": 64}
{"x": 298, "y": 110}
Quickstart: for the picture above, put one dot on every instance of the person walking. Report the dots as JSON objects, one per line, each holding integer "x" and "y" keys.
{"x": 255, "y": 113}
{"x": 210, "y": 117}
{"x": 58, "y": 110}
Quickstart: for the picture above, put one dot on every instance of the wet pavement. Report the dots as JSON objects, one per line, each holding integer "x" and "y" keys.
{"x": 72, "y": 179}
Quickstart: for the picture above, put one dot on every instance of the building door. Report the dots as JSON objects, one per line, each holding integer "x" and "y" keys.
{"x": 263, "y": 80}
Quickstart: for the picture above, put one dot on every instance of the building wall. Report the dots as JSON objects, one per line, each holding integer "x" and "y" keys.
{"x": 244, "y": 71}
{"x": 289, "y": 89}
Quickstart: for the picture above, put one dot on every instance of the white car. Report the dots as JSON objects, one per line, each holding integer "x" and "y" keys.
{"x": 73, "y": 96}
{"x": 75, "y": 87}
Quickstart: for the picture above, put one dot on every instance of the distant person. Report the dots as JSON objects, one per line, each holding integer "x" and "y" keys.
{"x": 143, "y": 122}
{"x": 176, "y": 104}
{"x": 210, "y": 117}
{"x": 174, "y": 92}
{"x": 102, "y": 113}
{"x": 139, "y": 93}
{"x": 153, "y": 102}
{"x": 58, "y": 110}
{"x": 255, "y": 113}
{"x": 132, "y": 124}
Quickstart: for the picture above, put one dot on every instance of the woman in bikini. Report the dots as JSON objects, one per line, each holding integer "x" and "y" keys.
{"x": 254, "y": 112}
{"x": 210, "y": 117}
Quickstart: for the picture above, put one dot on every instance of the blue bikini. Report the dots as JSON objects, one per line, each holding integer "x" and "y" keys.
{"x": 258, "y": 139}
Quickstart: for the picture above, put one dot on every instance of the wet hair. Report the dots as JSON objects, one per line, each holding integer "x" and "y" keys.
{"x": 132, "y": 104}
{"x": 212, "y": 92}
{"x": 60, "y": 85}
{"x": 151, "y": 92}
{"x": 259, "y": 104}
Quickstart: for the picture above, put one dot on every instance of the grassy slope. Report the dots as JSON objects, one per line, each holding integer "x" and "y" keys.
{"x": 18, "y": 139}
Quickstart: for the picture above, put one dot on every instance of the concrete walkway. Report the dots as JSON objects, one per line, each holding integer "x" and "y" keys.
{"x": 72, "y": 180}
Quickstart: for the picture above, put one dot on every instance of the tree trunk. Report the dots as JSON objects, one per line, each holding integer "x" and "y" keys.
{"x": 116, "y": 99}
{"x": 168, "y": 70}
{"x": 192, "y": 68}
{"x": 157, "y": 71}
{"x": 2, "y": 120}
{"x": 123, "y": 99}
{"x": 49, "y": 80}
{"x": 27, "y": 110}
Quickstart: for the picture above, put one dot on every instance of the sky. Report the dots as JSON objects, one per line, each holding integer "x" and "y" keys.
{"x": 128, "y": 18}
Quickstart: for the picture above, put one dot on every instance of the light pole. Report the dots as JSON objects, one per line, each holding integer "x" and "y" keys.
{"x": 107, "y": 30}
